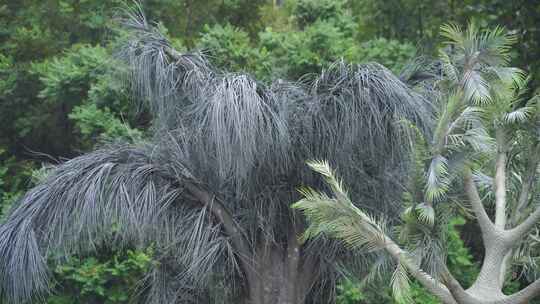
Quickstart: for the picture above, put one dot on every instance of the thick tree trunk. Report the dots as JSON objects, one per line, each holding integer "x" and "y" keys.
{"x": 489, "y": 283}
{"x": 281, "y": 275}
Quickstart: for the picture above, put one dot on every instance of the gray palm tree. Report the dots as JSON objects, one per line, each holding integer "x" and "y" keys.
{"x": 211, "y": 190}
{"x": 483, "y": 156}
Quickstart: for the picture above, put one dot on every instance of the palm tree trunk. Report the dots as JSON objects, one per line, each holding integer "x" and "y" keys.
{"x": 282, "y": 277}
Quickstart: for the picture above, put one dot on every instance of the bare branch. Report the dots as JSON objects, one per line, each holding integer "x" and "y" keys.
{"x": 523, "y": 228}
{"x": 526, "y": 294}
{"x": 486, "y": 225}
{"x": 500, "y": 181}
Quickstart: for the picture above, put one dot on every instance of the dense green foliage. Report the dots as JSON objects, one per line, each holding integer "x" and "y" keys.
{"x": 110, "y": 279}
{"x": 62, "y": 92}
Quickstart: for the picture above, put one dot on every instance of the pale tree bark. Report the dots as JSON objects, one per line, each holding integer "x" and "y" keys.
{"x": 498, "y": 243}
{"x": 500, "y": 180}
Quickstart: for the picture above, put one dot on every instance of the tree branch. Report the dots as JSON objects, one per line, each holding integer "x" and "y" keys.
{"x": 486, "y": 226}
{"x": 500, "y": 180}
{"x": 526, "y": 294}
{"x": 430, "y": 283}
{"x": 455, "y": 287}
{"x": 523, "y": 228}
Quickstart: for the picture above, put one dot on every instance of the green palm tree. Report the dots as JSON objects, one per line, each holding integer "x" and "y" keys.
{"x": 482, "y": 157}
{"x": 211, "y": 190}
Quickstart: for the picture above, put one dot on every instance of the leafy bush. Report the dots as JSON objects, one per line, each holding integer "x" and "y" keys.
{"x": 69, "y": 77}
{"x": 85, "y": 84}
{"x": 309, "y": 11}
{"x": 349, "y": 293}
{"x": 97, "y": 124}
{"x": 459, "y": 260}
{"x": 390, "y": 53}
{"x": 230, "y": 48}
{"x": 13, "y": 178}
{"x": 106, "y": 280}
{"x": 301, "y": 52}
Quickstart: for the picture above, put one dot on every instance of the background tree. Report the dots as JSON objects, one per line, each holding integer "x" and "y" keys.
{"x": 485, "y": 141}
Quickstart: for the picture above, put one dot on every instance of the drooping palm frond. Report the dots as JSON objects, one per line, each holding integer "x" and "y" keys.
{"x": 400, "y": 283}
{"x": 161, "y": 77}
{"x": 518, "y": 116}
{"x": 239, "y": 127}
{"x": 114, "y": 197}
{"x": 437, "y": 181}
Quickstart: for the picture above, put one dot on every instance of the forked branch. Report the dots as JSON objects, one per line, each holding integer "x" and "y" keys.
{"x": 485, "y": 223}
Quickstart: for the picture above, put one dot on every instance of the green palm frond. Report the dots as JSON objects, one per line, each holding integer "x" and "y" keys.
{"x": 448, "y": 66}
{"x": 420, "y": 154}
{"x": 323, "y": 168}
{"x": 444, "y": 121}
{"x": 426, "y": 214}
{"x": 400, "y": 284}
{"x": 453, "y": 33}
{"x": 476, "y": 88}
{"x": 468, "y": 130}
{"x": 477, "y": 59}
{"x": 495, "y": 45}
{"x": 485, "y": 184}
{"x": 437, "y": 179}
{"x": 525, "y": 256}
{"x": 469, "y": 117}
{"x": 479, "y": 140}
{"x": 337, "y": 216}
{"x": 512, "y": 76}
{"x": 518, "y": 116}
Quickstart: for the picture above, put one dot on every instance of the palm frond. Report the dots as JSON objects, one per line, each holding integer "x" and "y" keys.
{"x": 437, "y": 182}
{"x": 509, "y": 75}
{"x": 426, "y": 214}
{"x": 453, "y": 33}
{"x": 401, "y": 284}
{"x": 113, "y": 198}
{"x": 520, "y": 115}
{"x": 476, "y": 88}
{"x": 337, "y": 216}
{"x": 495, "y": 45}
